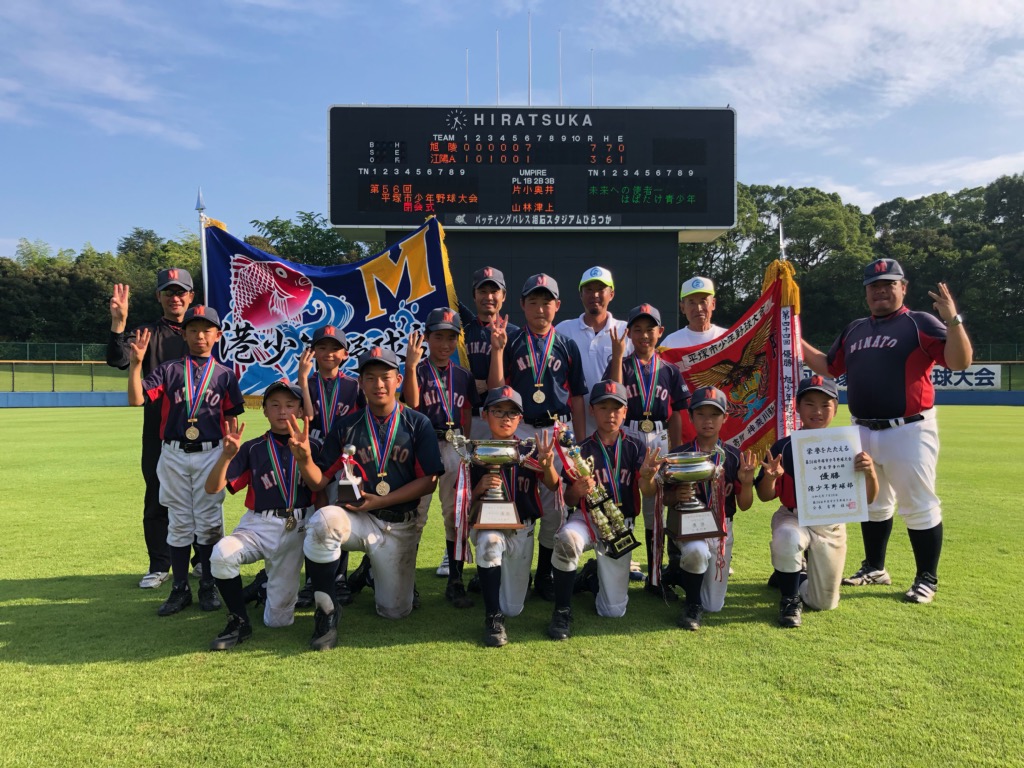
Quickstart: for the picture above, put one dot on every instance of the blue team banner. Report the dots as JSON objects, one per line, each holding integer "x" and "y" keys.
{"x": 270, "y": 307}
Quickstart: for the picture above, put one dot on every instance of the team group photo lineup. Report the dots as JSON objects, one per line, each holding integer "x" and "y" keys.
{"x": 570, "y": 457}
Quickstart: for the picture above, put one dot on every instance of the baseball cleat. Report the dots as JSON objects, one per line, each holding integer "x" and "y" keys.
{"x": 494, "y": 632}
{"x": 560, "y": 627}
{"x": 691, "y": 617}
{"x": 586, "y": 579}
{"x": 442, "y": 569}
{"x": 474, "y": 584}
{"x": 256, "y": 592}
{"x": 416, "y": 599}
{"x": 544, "y": 588}
{"x": 790, "y": 612}
{"x": 922, "y": 590}
{"x": 361, "y": 577}
{"x": 662, "y": 591}
{"x": 342, "y": 591}
{"x": 455, "y": 593}
{"x": 179, "y": 599}
{"x": 325, "y": 629}
{"x": 236, "y": 632}
{"x": 867, "y": 575}
{"x": 154, "y": 579}
{"x": 208, "y": 599}
{"x": 305, "y": 597}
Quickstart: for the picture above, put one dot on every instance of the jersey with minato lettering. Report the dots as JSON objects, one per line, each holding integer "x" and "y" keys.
{"x": 563, "y": 374}
{"x": 627, "y": 491}
{"x": 349, "y": 400}
{"x": 525, "y": 478}
{"x": 732, "y": 471}
{"x": 461, "y": 389}
{"x": 888, "y": 362}
{"x": 478, "y": 342}
{"x": 252, "y": 467}
{"x": 415, "y": 452}
{"x": 785, "y": 484}
{"x": 166, "y": 385}
{"x": 670, "y": 392}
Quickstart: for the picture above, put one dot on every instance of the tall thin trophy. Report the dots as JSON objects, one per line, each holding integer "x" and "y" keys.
{"x": 608, "y": 519}
{"x": 689, "y": 519}
{"x": 349, "y": 486}
{"x": 493, "y": 511}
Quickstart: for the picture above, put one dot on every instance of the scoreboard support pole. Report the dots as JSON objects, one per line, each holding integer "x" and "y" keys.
{"x": 645, "y": 266}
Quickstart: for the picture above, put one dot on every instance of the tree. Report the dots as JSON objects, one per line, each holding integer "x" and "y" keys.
{"x": 308, "y": 240}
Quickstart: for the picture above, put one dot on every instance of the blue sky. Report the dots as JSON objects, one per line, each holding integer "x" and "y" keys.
{"x": 113, "y": 112}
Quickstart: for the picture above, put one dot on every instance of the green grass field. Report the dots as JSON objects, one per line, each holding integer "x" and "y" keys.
{"x": 90, "y": 675}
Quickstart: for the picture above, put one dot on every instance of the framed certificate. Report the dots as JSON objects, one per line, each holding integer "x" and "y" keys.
{"x": 828, "y": 490}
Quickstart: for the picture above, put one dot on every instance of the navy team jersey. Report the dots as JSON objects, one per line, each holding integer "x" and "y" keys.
{"x": 525, "y": 478}
{"x": 888, "y": 362}
{"x": 350, "y": 400}
{"x": 785, "y": 484}
{"x": 478, "y": 342}
{"x": 633, "y": 454}
{"x": 563, "y": 377}
{"x": 464, "y": 394}
{"x": 166, "y": 385}
{"x": 414, "y": 454}
{"x": 251, "y": 467}
{"x": 670, "y": 392}
{"x": 732, "y": 472}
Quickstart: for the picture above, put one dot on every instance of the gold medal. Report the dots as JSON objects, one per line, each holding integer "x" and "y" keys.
{"x": 449, "y": 435}
{"x": 192, "y": 433}
{"x": 383, "y": 489}
{"x": 647, "y": 425}
{"x": 538, "y": 396}
{"x": 290, "y": 523}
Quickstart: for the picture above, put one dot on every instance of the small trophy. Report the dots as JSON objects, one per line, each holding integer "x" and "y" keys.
{"x": 689, "y": 519}
{"x": 608, "y": 518}
{"x": 493, "y": 511}
{"x": 349, "y": 486}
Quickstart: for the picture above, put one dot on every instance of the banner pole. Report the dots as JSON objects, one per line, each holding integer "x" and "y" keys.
{"x": 200, "y": 207}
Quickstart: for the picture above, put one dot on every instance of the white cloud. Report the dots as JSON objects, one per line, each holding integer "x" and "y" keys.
{"x": 955, "y": 173}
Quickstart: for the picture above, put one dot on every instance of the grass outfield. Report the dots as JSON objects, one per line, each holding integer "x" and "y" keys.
{"x": 89, "y": 674}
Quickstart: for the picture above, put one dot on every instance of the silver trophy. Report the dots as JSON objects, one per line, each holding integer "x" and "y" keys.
{"x": 349, "y": 486}
{"x": 689, "y": 519}
{"x": 494, "y": 511}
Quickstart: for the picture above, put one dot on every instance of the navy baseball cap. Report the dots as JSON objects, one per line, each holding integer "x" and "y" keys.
{"x": 819, "y": 384}
{"x": 606, "y": 389}
{"x": 165, "y": 278}
{"x": 378, "y": 355}
{"x": 201, "y": 312}
{"x": 443, "y": 319}
{"x": 278, "y": 386}
{"x": 644, "y": 310}
{"x": 331, "y": 333}
{"x": 540, "y": 282}
{"x": 488, "y": 275}
{"x": 503, "y": 395}
{"x": 709, "y": 396}
{"x": 883, "y": 269}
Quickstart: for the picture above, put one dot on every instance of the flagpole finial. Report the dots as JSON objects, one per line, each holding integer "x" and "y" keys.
{"x": 200, "y": 205}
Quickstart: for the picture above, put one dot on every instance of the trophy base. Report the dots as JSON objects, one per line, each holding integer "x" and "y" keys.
{"x": 692, "y": 525}
{"x": 349, "y": 491}
{"x": 621, "y": 545}
{"x": 497, "y": 516}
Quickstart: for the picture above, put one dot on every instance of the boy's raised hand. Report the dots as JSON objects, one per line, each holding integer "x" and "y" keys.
{"x": 298, "y": 438}
{"x": 119, "y": 303}
{"x": 652, "y": 463}
{"x": 772, "y": 465}
{"x": 618, "y": 343}
{"x": 748, "y": 463}
{"x": 232, "y": 436}
{"x": 545, "y": 448}
{"x": 499, "y": 333}
{"x": 139, "y": 345}
{"x": 305, "y": 364}
{"x": 414, "y": 350}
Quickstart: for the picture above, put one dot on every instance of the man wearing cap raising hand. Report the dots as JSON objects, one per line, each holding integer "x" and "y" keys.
{"x": 887, "y": 358}
{"x": 174, "y": 292}
{"x": 593, "y": 330}
{"x": 697, "y": 303}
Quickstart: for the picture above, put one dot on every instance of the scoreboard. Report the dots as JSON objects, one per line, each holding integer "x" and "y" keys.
{"x": 532, "y": 169}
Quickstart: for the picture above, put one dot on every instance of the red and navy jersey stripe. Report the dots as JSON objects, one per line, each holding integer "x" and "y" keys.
{"x": 732, "y": 474}
{"x": 166, "y": 385}
{"x": 888, "y": 362}
{"x": 670, "y": 392}
{"x": 563, "y": 377}
{"x": 628, "y": 480}
{"x": 465, "y": 395}
{"x": 251, "y": 468}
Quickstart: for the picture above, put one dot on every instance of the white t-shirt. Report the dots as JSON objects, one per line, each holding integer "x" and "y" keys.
{"x": 684, "y": 337}
{"x": 595, "y": 348}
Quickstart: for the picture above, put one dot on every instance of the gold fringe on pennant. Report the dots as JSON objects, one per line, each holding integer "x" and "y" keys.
{"x": 208, "y": 222}
{"x": 253, "y": 402}
{"x": 784, "y": 272}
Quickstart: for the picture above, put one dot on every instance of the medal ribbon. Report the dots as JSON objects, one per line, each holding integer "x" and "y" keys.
{"x": 447, "y": 395}
{"x": 380, "y": 455}
{"x": 608, "y": 465}
{"x": 193, "y": 400}
{"x": 328, "y": 412}
{"x": 647, "y": 389}
{"x": 275, "y": 464}
{"x": 539, "y": 366}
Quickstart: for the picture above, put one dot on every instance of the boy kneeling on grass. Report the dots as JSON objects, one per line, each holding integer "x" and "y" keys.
{"x": 273, "y": 526}
{"x": 825, "y": 545}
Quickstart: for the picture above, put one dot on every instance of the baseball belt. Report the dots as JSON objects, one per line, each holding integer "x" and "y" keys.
{"x": 876, "y": 425}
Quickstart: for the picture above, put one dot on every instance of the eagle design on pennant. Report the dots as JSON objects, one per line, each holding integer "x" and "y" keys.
{"x": 745, "y": 382}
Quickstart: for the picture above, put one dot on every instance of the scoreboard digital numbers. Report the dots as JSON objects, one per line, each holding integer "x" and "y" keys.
{"x": 533, "y": 168}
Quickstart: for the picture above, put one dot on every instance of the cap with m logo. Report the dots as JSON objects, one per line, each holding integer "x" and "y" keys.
{"x": 883, "y": 269}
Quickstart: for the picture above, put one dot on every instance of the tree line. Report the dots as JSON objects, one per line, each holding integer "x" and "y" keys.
{"x": 972, "y": 239}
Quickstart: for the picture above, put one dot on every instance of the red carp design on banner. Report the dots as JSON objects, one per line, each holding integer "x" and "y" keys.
{"x": 266, "y": 294}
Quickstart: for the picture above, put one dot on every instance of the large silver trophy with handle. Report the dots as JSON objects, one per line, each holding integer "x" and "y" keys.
{"x": 494, "y": 511}
{"x": 608, "y": 519}
{"x": 689, "y": 519}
